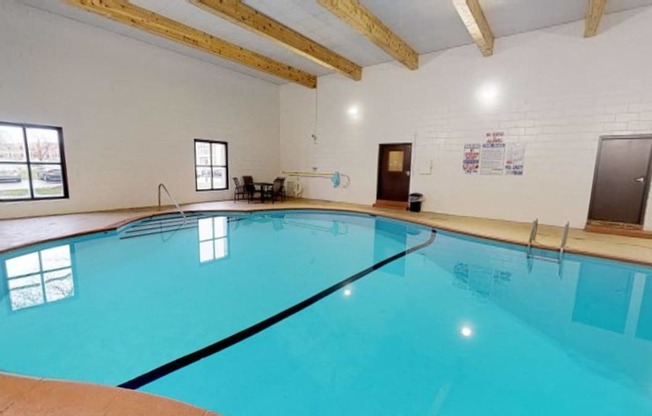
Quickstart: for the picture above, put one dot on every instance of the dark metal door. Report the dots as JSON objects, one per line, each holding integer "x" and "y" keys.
{"x": 620, "y": 183}
{"x": 394, "y": 171}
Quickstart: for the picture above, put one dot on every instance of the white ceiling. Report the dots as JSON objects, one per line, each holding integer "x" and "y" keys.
{"x": 427, "y": 25}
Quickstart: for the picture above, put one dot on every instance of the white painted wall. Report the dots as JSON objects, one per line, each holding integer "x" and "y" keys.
{"x": 557, "y": 93}
{"x": 129, "y": 112}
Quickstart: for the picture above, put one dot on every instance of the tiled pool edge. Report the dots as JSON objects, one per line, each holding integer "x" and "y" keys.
{"x": 350, "y": 209}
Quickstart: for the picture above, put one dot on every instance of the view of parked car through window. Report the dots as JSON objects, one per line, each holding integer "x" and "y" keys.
{"x": 9, "y": 174}
{"x": 31, "y": 162}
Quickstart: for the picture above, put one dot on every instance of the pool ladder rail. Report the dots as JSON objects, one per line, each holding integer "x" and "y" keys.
{"x": 161, "y": 186}
{"x": 160, "y": 224}
{"x": 533, "y": 234}
{"x": 562, "y": 246}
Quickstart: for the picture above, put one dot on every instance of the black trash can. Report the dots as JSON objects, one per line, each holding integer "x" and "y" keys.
{"x": 415, "y": 200}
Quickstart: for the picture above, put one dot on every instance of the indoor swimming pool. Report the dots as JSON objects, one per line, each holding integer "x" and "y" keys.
{"x": 321, "y": 313}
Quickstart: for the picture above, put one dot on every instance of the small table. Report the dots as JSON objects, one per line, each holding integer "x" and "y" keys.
{"x": 262, "y": 188}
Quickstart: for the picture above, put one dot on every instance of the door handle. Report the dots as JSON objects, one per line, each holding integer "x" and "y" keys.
{"x": 640, "y": 180}
{"x": 407, "y": 172}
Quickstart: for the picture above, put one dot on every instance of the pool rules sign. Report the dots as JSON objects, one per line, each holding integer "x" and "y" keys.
{"x": 494, "y": 156}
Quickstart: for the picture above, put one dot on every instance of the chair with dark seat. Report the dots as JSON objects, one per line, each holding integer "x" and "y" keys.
{"x": 249, "y": 187}
{"x": 282, "y": 179}
{"x": 240, "y": 192}
{"x": 274, "y": 192}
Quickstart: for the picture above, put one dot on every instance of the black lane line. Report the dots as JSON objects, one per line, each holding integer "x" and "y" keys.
{"x": 231, "y": 340}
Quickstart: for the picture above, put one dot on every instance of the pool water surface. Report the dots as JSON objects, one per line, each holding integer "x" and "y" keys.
{"x": 373, "y": 316}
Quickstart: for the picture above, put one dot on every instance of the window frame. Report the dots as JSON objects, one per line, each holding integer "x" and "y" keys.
{"x": 30, "y": 164}
{"x": 211, "y": 165}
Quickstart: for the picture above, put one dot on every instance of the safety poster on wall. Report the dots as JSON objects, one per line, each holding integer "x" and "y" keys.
{"x": 514, "y": 158}
{"x": 471, "y": 162}
{"x": 494, "y": 156}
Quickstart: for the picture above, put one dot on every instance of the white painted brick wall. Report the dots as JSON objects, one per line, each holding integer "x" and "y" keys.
{"x": 129, "y": 111}
{"x": 558, "y": 93}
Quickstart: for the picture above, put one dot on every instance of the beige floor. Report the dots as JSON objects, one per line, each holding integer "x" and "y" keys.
{"x": 20, "y": 232}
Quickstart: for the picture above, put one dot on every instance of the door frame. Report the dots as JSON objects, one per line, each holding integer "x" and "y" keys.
{"x": 380, "y": 161}
{"x": 646, "y": 191}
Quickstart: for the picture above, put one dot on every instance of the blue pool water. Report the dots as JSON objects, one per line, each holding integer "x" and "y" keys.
{"x": 443, "y": 324}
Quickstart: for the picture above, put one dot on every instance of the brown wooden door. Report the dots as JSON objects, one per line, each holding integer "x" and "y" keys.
{"x": 394, "y": 171}
{"x": 621, "y": 181}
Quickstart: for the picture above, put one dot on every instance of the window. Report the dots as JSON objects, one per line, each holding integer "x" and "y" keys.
{"x": 211, "y": 170}
{"x": 40, "y": 277}
{"x": 32, "y": 163}
{"x": 213, "y": 238}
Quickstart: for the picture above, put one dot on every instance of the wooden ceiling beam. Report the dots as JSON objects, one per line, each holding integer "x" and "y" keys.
{"x": 124, "y": 12}
{"x": 593, "y": 17}
{"x": 238, "y": 13}
{"x": 476, "y": 23}
{"x": 367, "y": 24}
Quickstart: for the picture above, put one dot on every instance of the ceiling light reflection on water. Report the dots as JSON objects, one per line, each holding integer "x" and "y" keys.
{"x": 466, "y": 331}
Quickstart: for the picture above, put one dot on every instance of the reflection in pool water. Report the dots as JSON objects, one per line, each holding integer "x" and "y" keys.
{"x": 40, "y": 277}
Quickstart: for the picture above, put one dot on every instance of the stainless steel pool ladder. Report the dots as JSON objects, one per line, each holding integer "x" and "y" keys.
{"x": 176, "y": 204}
{"x": 533, "y": 236}
{"x": 562, "y": 246}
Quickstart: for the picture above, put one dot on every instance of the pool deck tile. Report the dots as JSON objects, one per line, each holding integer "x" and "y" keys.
{"x": 24, "y": 396}
{"x": 62, "y": 398}
{"x": 13, "y": 389}
{"x": 145, "y": 404}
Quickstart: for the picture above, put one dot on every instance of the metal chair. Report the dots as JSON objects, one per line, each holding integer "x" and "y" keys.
{"x": 250, "y": 188}
{"x": 282, "y": 194}
{"x": 275, "y": 191}
{"x": 240, "y": 192}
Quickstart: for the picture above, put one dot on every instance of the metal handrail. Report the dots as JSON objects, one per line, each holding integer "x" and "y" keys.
{"x": 300, "y": 174}
{"x": 176, "y": 204}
